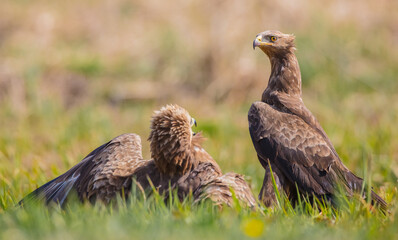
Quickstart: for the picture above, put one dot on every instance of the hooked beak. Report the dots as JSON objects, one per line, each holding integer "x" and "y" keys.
{"x": 257, "y": 42}
{"x": 193, "y": 122}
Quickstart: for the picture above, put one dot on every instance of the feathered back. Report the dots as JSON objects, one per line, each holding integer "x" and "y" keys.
{"x": 223, "y": 189}
{"x": 171, "y": 140}
{"x": 206, "y": 182}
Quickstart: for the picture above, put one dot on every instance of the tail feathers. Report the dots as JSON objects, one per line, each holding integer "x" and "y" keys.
{"x": 377, "y": 200}
{"x": 55, "y": 191}
{"x": 356, "y": 184}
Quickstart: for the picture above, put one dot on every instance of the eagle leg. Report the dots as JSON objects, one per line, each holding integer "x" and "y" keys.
{"x": 267, "y": 194}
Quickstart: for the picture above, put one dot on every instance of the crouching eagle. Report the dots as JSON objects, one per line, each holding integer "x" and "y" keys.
{"x": 178, "y": 161}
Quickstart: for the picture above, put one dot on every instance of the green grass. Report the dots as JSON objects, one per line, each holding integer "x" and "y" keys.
{"x": 34, "y": 154}
{"x": 152, "y": 218}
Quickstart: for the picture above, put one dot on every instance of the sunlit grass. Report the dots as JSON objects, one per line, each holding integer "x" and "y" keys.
{"x": 152, "y": 217}
{"x": 34, "y": 156}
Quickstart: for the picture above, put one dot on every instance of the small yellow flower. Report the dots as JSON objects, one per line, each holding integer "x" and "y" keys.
{"x": 252, "y": 227}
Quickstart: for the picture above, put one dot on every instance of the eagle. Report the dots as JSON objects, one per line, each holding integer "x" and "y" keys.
{"x": 179, "y": 163}
{"x": 178, "y": 154}
{"x": 290, "y": 143}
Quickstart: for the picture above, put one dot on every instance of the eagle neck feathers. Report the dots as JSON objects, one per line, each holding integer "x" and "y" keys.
{"x": 285, "y": 78}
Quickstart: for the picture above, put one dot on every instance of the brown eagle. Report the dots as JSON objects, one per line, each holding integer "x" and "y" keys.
{"x": 288, "y": 138}
{"x": 178, "y": 161}
{"x": 178, "y": 154}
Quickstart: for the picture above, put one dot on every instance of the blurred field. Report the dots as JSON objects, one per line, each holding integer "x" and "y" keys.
{"x": 74, "y": 74}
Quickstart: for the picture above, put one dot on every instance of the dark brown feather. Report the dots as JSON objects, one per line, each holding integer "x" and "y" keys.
{"x": 99, "y": 176}
{"x": 223, "y": 190}
{"x": 205, "y": 182}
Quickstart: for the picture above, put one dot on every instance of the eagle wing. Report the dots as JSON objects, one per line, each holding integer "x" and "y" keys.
{"x": 299, "y": 151}
{"x": 100, "y": 175}
{"x": 223, "y": 190}
{"x": 296, "y": 106}
{"x": 195, "y": 179}
{"x": 206, "y": 182}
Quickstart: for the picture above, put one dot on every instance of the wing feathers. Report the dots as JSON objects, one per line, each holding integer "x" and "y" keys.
{"x": 298, "y": 150}
{"x": 102, "y": 172}
{"x": 206, "y": 182}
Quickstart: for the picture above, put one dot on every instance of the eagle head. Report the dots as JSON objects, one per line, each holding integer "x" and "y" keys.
{"x": 274, "y": 42}
{"x": 171, "y": 140}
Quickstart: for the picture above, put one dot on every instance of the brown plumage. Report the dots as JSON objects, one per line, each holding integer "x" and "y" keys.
{"x": 178, "y": 161}
{"x": 180, "y": 153}
{"x": 286, "y": 134}
{"x": 101, "y": 175}
{"x": 205, "y": 182}
{"x": 171, "y": 140}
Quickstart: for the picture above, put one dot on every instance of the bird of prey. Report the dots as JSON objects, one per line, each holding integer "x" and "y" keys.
{"x": 178, "y": 161}
{"x": 177, "y": 151}
{"x": 288, "y": 138}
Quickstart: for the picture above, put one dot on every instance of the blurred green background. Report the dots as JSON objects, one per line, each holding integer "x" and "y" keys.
{"x": 74, "y": 74}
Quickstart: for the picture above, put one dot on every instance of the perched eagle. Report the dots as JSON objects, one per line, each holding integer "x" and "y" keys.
{"x": 178, "y": 161}
{"x": 289, "y": 139}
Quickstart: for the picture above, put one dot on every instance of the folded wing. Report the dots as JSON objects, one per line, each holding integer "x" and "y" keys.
{"x": 299, "y": 151}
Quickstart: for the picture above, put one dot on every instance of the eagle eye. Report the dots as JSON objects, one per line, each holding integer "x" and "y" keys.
{"x": 273, "y": 38}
